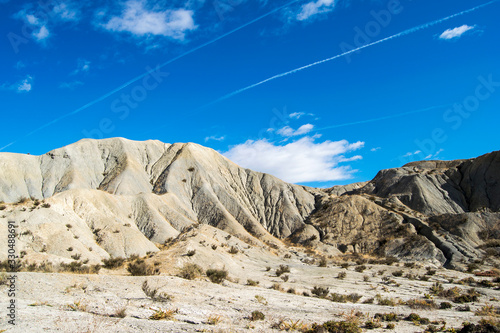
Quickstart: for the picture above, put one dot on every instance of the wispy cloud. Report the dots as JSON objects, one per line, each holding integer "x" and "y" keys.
{"x": 22, "y": 86}
{"x": 288, "y": 131}
{"x": 456, "y": 32}
{"x": 314, "y": 8}
{"x": 39, "y": 20}
{"x": 83, "y": 66}
{"x": 296, "y": 115}
{"x": 375, "y": 149}
{"x": 138, "y": 20}
{"x": 436, "y": 154}
{"x": 215, "y": 138}
{"x": 408, "y": 154}
{"x": 300, "y": 161}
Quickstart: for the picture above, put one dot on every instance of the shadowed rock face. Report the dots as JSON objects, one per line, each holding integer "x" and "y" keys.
{"x": 124, "y": 197}
{"x": 442, "y": 187}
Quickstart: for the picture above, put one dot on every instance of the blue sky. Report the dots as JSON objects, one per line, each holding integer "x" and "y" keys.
{"x": 425, "y": 83}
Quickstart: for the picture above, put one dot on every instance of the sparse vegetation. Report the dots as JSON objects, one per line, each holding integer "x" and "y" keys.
{"x": 140, "y": 268}
{"x": 257, "y": 315}
{"x": 214, "y": 319}
{"x": 154, "y": 294}
{"x": 161, "y": 314}
{"x": 113, "y": 263}
{"x": 191, "y": 271}
{"x": 320, "y": 291}
{"x": 216, "y": 275}
{"x": 282, "y": 269}
{"x": 252, "y": 283}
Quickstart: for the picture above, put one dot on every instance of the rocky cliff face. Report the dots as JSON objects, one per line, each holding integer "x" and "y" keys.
{"x": 117, "y": 197}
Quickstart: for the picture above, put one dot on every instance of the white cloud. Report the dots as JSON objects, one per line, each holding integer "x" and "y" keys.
{"x": 456, "y": 32}
{"x": 215, "y": 138}
{"x": 375, "y": 149}
{"x": 288, "y": 131}
{"x": 139, "y": 21}
{"x": 412, "y": 153}
{"x": 297, "y": 162}
{"x": 434, "y": 155}
{"x": 42, "y": 34}
{"x": 315, "y": 7}
{"x": 24, "y": 85}
{"x": 296, "y": 115}
{"x": 65, "y": 13}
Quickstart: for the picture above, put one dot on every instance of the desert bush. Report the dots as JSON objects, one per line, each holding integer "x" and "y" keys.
{"x": 285, "y": 278}
{"x": 277, "y": 286}
{"x": 335, "y": 327}
{"x": 360, "y": 268}
{"x": 484, "y": 326}
{"x": 341, "y": 275}
{"x": 366, "y": 278}
{"x": 338, "y": 298}
{"x": 386, "y": 316}
{"x": 257, "y": 315}
{"x": 161, "y": 314}
{"x": 233, "y": 250}
{"x": 488, "y": 311}
{"x": 322, "y": 262}
{"x": 372, "y": 324}
{"x": 463, "y": 308}
{"x": 344, "y": 265}
{"x": 471, "y": 296}
{"x": 113, "y": 262}
{"x": 46, "y": 205}
{"x": 421, "y": 303}
{"x": 415, "y": 318}
{"x": 140, "y": 268}
{"x": 390, "y": 326}
{"x": 120, "y": 313}
{"x": 320, "y": 292}
{"x": 216, "y": 275}
{"x": 252, "y": 283}
{"x": 398, "y": 273}
{"x": 191, "y": 253}
{"x": 282, "y": 269}
{"x": 409, "y": 264}
{"x": 471, "y": 267}
{"x": 190, "y": 271}
{"x": 154, "y": 294}
{"x": 386, "y": 301}
{"x": 214, "y": 319}
{"x": 445, "y": 305}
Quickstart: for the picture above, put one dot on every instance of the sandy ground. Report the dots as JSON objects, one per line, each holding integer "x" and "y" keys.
{"x": 62, "y": 302}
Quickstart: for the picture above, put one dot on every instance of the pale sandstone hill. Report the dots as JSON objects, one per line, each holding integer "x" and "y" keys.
{"x": 117, "y": 197}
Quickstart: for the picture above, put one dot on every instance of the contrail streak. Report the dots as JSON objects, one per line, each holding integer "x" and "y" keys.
{"x": 137, "y": 78}
{"x": 401, "y": 34}
{"x": 385, "y": 117}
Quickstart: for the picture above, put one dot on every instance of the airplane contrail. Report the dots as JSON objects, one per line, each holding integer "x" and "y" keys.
{"x": 401, "y": 34}
{"x": 137, "y": 78}
{"x": 359, "y": 122}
